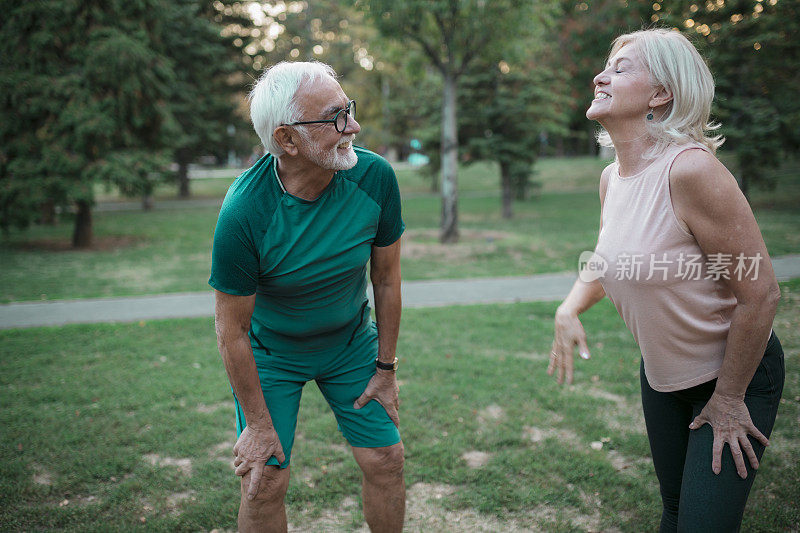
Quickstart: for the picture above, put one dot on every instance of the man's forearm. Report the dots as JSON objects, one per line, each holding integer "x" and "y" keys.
{"x": 237, "y": 356}
{"x": 388, "y": 307}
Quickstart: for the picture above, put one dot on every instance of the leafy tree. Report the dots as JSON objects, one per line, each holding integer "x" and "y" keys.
{"x": 83, "y": 102}
{"x": 753, "y": 52}
{"x": 208, "y": 82}
{"x": 584, "y": 33}
{"x": 506, "y": 110}
{"x": 509, "y": 106}
{"x": 451, "y": 34}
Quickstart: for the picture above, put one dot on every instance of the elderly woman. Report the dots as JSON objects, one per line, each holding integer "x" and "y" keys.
{"x": 689, "y": 273}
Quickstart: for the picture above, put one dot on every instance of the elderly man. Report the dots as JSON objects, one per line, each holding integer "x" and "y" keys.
{"x": 291, "y": 247}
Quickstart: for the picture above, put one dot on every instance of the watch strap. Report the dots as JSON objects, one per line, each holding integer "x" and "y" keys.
{"x": 386, "y": 366}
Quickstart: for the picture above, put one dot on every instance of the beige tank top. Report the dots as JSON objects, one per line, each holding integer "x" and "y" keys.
{"x": 670, "y": 295}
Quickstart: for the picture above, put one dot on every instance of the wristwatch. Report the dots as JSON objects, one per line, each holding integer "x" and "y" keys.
{"x": 386, "y": 366}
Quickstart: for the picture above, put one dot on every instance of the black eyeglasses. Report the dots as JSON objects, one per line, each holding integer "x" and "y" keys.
{"x": 339, "y": 120}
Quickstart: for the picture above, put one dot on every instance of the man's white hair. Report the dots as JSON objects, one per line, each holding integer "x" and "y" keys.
{"x": 674, "y": 63}
{"x": 272, "y": 100}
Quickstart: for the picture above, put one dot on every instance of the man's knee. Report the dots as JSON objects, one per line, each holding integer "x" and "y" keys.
{"x": 383, "y": 462}
{"x": 271, "y": 489}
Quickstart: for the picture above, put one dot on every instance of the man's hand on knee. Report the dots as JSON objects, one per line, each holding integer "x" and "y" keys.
{"x": 252, "y": 451}
{"x": 383, "y": 389}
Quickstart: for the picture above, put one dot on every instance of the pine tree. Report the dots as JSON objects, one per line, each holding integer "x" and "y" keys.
{"x": 207, "y": 82}
{"x": 85, "y": 101}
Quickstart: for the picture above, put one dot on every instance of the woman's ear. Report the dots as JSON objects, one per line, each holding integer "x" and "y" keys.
{"x": 662, "y": 96}
{"x": 285, "y": 137}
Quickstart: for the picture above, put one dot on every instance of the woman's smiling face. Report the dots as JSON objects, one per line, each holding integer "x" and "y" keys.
{"x": 623, "y": 90}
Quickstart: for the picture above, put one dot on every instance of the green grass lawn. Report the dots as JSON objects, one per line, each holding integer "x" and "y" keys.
{"x": 130, "y": 427}
{"x": 168, "y": 249}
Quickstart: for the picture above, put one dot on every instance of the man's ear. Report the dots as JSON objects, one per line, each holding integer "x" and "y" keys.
{"x": 662, "y": 96}
{"x": 285, "y": 137}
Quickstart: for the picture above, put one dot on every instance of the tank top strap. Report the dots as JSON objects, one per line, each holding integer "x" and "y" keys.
{"x": 675, "y": 150}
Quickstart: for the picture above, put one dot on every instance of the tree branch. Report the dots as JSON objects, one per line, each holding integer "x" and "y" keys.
{"x": 427, "y": 48}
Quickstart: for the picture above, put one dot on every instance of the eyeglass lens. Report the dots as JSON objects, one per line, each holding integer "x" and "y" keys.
{"x": 342, "y": 115}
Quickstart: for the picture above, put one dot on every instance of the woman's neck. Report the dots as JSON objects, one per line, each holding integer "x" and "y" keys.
{"x": 631, "y": 144}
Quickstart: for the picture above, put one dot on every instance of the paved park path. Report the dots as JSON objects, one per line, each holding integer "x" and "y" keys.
{"x": 543, "y": 287}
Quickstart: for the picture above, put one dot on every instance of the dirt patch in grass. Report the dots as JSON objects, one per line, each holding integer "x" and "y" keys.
{"x": 174, "y": 500}
{"x": 424, "y": 244}
{"x": 340, "y": 448}
{"x": 502, "y": 355}
{"x": 183, "y": 465}
{"x": 425, "y": 512}
{"x": 329, "y": 521}
{"x": 488, "y": 417}
{"x": 626, "y": 417}
{"x": 565, "y": 436}
{"x": 223, "y": 450}
{"x": 492, "y": 412}
{"x": 476, "y": 459}
{"x": 207, "y": 409}
{"x": 417, "y": 250}
{"x": 623, "y": 463}
{"x": 601, "y": 394}
{"x": 41, "y": 476}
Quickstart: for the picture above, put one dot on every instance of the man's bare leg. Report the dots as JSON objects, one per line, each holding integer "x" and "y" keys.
{"x": 384, "y": 488}
{"x": 265, "y": 513}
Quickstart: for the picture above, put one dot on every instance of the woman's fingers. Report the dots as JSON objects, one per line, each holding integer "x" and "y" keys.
{"x": 744, "y": 443}
{"x": 753, "y": 430}
{"x": 738, "y": 458}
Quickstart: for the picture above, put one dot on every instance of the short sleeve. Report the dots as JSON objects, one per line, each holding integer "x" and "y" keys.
{"x": 234, "y": 256}
{"x": 390, "y": 224}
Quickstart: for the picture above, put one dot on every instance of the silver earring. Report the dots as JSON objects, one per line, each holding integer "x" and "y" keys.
{"x": 650, "y": 115}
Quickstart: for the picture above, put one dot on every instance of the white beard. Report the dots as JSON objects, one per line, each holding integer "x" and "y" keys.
{"x": 332, "y": 159}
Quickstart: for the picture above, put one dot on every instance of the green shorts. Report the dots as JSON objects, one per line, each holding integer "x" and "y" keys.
{"x": 341, "y": 374}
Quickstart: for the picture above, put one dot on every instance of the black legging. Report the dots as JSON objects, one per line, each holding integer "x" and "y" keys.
{"x": 694, "y": 498}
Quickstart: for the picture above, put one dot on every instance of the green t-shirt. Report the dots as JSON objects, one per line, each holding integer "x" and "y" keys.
{"x": 305, "y": 260}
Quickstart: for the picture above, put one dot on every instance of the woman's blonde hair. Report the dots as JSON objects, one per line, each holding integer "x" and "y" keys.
{"x": 674, "y": 63}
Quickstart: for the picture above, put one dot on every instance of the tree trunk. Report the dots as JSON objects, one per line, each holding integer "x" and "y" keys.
{"x": 82, "y": 234}
{"x": 449, "y": 227}
{"x": 183, "y": 177}
{"x": 48, "y": 213}
{"x": 521, "y": 186}
{"x": 507, "y": 192}
{"x": 560, "y": 146}
{"x": 147, "y": 201}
